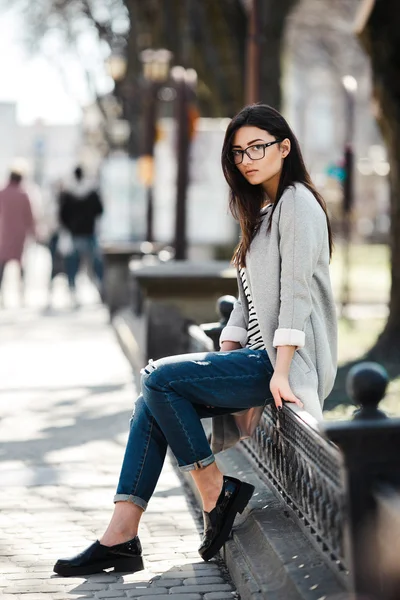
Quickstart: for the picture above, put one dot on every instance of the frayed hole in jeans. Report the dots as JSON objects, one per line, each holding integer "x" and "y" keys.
{"x": 149, "y": 368}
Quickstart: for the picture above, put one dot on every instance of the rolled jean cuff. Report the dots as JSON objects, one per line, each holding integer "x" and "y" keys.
{"x": 129, "y": 498}
{"x": 199, "y": 464}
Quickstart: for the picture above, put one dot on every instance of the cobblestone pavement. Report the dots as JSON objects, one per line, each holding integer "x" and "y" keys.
{"x": 65, "y": 400}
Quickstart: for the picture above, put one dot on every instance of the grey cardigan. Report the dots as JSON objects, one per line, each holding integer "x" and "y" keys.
{"x": 288, "y": 276}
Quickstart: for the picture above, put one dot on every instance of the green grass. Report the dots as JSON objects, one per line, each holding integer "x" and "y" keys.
{"x": 356, "y": 336}
{"x": 369, "y": 272}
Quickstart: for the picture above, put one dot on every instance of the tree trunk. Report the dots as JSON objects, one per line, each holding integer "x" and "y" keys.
{"x": 273, "y": 15}
{"x": 379, "y": 33}
{"x": 381, "y": 39}
{"x": 219, "y": 40}
{"x": 131, "y": 86}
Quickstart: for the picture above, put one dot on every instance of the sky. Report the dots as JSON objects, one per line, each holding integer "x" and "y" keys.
{"x": 33, "y": 83}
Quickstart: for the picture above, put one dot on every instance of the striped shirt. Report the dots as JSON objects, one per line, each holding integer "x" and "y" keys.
{"x": 254, "y": 337}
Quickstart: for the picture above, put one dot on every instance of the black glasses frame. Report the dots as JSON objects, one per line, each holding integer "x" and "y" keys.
{"x": 265, "y": 145}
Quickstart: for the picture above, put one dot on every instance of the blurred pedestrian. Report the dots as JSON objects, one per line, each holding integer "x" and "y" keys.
{"x": 278, "y": 347}
{"x": 80, "y": 208}
{"x": 16, "y": 225}
{"x": 50, "y": 234}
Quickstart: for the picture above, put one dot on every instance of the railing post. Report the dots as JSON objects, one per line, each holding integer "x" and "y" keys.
{"x": 224, "y": 308}
{"x": 370, "y": 446}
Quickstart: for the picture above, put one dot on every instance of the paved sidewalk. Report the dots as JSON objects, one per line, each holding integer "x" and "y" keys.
{"x": 65, "y": 400}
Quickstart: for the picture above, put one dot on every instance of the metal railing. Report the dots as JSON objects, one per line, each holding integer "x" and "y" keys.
{"x": 334, "y": 478}
{"x": 305, "y": 470}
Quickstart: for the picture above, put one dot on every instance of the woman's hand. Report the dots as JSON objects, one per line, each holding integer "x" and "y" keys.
{"x": 280, "y": 389}
{"x": 226, "y": 346}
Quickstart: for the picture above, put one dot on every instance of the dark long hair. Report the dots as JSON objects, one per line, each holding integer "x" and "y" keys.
{"x": 246, "y": 200}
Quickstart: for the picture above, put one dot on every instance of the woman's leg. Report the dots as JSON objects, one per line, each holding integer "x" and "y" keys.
{"x": 225, "y": 381}
{"x": 222, "y": 380}
{"x": 144, "y": 457}
{"x": 124, "y": 524}
{"x": 174, "y": 388}
{"x": 209, "y": 483}
{"x": 120, "y": 547}
{"x": 180, "y": 390}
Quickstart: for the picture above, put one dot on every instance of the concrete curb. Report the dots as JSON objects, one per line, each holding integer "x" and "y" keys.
{"x": 129, "y": 332}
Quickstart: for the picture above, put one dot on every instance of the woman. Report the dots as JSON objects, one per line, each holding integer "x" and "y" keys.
{"x": 279, "y": 344}
{"x": 16, "y": 225}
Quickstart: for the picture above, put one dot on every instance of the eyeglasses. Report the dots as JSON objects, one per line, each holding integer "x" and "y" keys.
{"x": 256, "y": 152}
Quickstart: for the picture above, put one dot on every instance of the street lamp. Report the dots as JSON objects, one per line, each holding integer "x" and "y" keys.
{"x": 185, "y": 81}
{"x": 119, "y": 128}
{"x": 350, "y": 88}
{"x": 155, "y": 72}
{"x": 116, "y": 66}
{"x": 155, "y": 64}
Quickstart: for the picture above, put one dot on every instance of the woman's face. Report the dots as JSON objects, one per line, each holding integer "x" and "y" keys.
{"x": 259, "y": 170}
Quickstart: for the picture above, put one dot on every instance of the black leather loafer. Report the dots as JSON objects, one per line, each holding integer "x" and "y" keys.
{"x": 125, "y": 557}
{"x": 233, "y": 499}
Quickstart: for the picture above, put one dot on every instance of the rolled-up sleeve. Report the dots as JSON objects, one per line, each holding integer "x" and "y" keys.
{"x": 235, "y": 330}
{"x": 301, "y": 230}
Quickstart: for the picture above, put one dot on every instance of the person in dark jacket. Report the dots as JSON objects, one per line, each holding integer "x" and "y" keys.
{"x": 80, "y": 207}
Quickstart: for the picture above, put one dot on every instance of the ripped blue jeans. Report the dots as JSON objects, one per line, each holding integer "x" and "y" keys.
{"x": 177, "y": 392}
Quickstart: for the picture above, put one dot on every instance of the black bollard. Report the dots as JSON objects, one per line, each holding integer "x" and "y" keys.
{"x": 224, "y": 307}
{"x": 366, "y": 385}
{"x": 370, "y": 444}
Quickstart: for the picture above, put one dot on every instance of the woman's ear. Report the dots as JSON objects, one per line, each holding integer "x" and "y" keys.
{"x": 285, "y": 147}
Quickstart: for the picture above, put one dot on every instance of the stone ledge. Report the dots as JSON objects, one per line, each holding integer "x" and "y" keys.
{"x": 192, "y": 288}
{"x": 175, "y": 269}
{"x": 268, "y": 556}
{"x": 125, "y": 323}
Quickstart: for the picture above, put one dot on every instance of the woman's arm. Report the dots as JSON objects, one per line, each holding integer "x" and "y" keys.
{"x": 228, "y": 345}
{"x": 302, "y": 228}
{"x": 279, "y": 384}
{"x": 236, "y": 329}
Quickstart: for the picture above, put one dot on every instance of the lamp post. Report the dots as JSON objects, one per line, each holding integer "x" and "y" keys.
{"x": 118, "y": 111}
{"x": 350, "y": 89}
{"x": 116, "y": 67}
{"x": 118, "y": 107}
{"x": 185, "y": 82}
{"x": 155, "y": 72}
